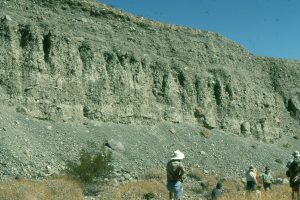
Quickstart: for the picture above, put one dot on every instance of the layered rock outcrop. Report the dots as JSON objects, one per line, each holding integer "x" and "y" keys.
{"x": 72, "y": 60}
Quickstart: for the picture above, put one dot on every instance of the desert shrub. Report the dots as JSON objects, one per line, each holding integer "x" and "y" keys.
{"x": 92, "y": 164}
{"x": 156, "y": 174}
{"x": 205, "y": 133}
{"x": 196, "y": 174}
{"x": 149, "y": 195}
{"x": 279, "y": 192}
{"x": 287, "y": 145}
{"x": 196, "y": 188}
{"x": 200, "y": 175}
{"x": 199, "y": 112}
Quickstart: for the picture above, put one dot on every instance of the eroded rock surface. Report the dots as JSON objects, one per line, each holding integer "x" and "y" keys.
{"x": 70, "y": 60}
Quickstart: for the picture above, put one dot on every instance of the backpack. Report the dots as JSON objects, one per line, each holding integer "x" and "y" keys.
{"x": 288, "y": 164}
{"x": 267, "y": 178}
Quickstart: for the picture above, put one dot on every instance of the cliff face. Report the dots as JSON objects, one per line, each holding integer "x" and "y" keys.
{"x": 80, "y": 59}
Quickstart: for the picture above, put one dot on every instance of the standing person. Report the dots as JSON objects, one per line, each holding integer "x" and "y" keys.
{"x": 294, "y": 174}
{"x": 175, "y": 172}
{"x": 251, "y": 179}
{"x": 267, "y": 178}
{"x": 217, "y": 191}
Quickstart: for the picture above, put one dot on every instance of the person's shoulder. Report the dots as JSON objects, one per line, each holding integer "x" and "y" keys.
{"x": 293, "y": 164}
{"x": 169, "y": 163}
{"x": 214, "y": 191}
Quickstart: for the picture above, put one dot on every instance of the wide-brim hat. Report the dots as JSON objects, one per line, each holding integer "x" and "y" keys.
{"x": 177, "y": 155}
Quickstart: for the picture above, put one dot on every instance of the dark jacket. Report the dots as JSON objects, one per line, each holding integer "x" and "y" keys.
{"x": 175, "y": 170}
{"x": 216, "y": 193}
{"x": 294, "y": 170}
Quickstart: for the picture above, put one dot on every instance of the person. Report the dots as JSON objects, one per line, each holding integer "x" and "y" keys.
{"x": 175, "y": 172}
{"x": 217, "y": 191}
{"x": 267, "y": 178}
{"x": 294, "y": 174}
{"x": 251, "y": 179}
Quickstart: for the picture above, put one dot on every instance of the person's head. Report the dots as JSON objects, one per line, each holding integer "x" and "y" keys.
{"x": 296, "y": 156}
{"x": 177, "y": 155}
{"x": 297, "y": 159}
{"x": 267, "y": 169}
{"x": 219, "y": 185}
{"x": 251, "y": 168}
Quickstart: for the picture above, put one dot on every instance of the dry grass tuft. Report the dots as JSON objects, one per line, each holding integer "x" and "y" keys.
{"x": 59, "y": 189}
{"x": 279, "y": 192}
{"x": 232, "y": 191}
{"x": 156, "y": 174}
{"x": 65, "y": 188}
{"x": 233, "y": 185}
{"x": 135, "y": 190}
{"x": 199, "y": 175}
{"x": 153, "y": 184}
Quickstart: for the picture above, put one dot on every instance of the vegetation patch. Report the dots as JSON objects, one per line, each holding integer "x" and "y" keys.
{"x": 287, "y": 145}
{"x": 205, "y": 133}
{"x": 155, "y": 174}
{"x": 93, "y": 163}
{"x": 61, "y": 188}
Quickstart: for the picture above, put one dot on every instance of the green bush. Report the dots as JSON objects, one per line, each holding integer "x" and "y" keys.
{"x": 92, "y": 164}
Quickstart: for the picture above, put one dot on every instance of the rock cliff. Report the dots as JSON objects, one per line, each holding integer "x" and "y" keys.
{"x": 77, "y": 59}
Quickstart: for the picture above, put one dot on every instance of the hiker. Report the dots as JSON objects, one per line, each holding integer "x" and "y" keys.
{"x": 294, "y": 174}
{"x": 251, "y": 179}
{"x": 175, "y": 172}
{"x": 217, "y": 191}
{"x": 267, "y": 178}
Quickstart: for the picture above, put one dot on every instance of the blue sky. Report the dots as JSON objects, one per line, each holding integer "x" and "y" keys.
{"x": 263, "y": 27}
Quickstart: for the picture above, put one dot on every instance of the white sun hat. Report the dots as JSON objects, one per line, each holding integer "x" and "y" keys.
{"x": 177, "y": 155}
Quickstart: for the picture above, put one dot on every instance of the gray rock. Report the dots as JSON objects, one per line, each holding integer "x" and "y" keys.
{"x": 6, "y": 18}
{"x": 278, "y": 181}
{"x": 141, "y": 80}
{"x": 285, "y": 181}
{"x": 132, "y": 81}
{"x": 116, "y": 145}
{"x": 246, "y": 128}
